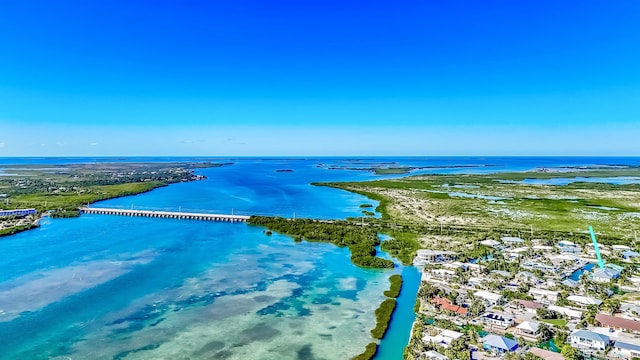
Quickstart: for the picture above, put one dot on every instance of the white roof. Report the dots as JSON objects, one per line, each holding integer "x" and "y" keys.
{"x": 569, "y": 312}
{"x": 512, "y": 239}
{"x": 451, "y": 334}
{"x": 489, "y": 242}
{"x": 431, "y": 354}
{"x": 543, "y": 292}
{"x": 585, "y": 300}
{"x": 565, "y": 243}
{"x": 519, "y": 250}
{"x": 487, "y": 295}
{"x": 426, "y": 252}
{"x": 531, "y": 326}
{"x": 543, "y": 247}
{"x": 620, "y": 247}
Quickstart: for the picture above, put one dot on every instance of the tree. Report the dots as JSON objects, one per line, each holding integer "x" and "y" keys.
{"x": 477, "y": 307}
{"x": 560, "y": 338}
{"x": 611, "y": 306}
{"x": 571, "y": 353}
{"x": 545, "y": 332}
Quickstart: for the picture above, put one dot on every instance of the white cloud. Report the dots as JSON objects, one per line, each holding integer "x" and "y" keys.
{"x": 1, "y": 144}
{"x": 93, "y": 144}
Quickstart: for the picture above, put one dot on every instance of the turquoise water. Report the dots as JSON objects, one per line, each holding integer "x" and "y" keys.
{"x": 108, "y": 287}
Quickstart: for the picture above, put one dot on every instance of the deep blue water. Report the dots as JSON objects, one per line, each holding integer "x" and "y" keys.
{"x": 107, "y": 287}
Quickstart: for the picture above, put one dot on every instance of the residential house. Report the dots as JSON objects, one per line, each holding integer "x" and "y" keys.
{"x": 446, "y": 304}
{"x": 589, "y": 340}
{"x": 433, "y": 355}
{"x": 444, "y": 338}
{"x": 530, "y": 330}
{"x": 618, "y": 323}
{"x": 489, "y": 297}
{"x": 604, "y": 275}
{"x": 625, "y": 350}
{"x": 546, "y": 354}
{"x": 544, "y": 296}
{"x": 510, "y": 240}
{"x": 499, "y": 344}
{"x": 528, "y": 306}
{"x": 584, "y": 301}
{"x": 497, "y": 321}
{"x": 574, "y": 314}
{"x": 424, "y": 256}
{"x": 490, "y": 243}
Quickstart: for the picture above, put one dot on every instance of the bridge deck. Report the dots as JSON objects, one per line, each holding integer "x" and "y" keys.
{"x": 165, "y": 214}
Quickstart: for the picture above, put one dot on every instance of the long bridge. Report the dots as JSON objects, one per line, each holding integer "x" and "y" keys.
{"x": 165, "y": 214}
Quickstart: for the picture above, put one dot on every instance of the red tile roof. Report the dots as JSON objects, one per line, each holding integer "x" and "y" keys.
{"x": 617, "y": 322}
{"x": 447, "y": 305}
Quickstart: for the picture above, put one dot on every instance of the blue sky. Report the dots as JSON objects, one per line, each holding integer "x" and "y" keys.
{"x": 311, "y": 77}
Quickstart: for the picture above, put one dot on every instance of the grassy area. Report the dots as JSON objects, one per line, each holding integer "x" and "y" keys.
{"x": 487, "y": 201}
{"x": 369, "y": 352}
{"x": 396, "y": 285}
{"x": 383, "y": 317}
{"x": 556, "y": 322}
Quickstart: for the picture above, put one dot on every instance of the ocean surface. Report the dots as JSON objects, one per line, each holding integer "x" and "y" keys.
{"x": 109, "y": 287}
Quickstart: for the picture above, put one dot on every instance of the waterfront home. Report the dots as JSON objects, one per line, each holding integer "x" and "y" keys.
{"x": 530, "y": 330}
{"x": 534, "y": 265}
{"x": 544, "y": 296}
{"x": 604, "y": 275}
{"x": 488, "y": 297}
{"x": 589, "y": 340}
{"x": 424, "y": 256}
{"x": 571, "y": 313}
{"x": 444, "y": 338}
{"x": 618, "y": 323}
{"x": 528, "y": 277}
{"x": 446, "y": 305}
{"x": 499, "y": 344}
{"x": 528, "y": 306}
{"x": 583, "y": 301}
{"x": 497, "y": 321}
{"x": 546, "y": 354}
{"x": 625, "y": 350}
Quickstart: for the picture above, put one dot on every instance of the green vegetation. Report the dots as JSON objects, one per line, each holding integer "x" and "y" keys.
{"x": 383, "y": 316}
{"x": 501, "y": 201}
{"x": 16, "y": 229}
{"x": 369, "y": 352}
{"x": 396, "y": 285}
{"x": 361, "y": 240}
{"x": 403, "y": 245}
{"x": 366, "y": 205}
{"x": 555, "y": 322}
{"x": 368, "y": 213}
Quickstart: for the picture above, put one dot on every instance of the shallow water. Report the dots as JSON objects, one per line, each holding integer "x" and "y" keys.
{"x": 109, "y": 287}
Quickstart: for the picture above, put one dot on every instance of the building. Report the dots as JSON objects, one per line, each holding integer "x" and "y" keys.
{"x": 488, "y": 297}
{"x": 490, "y": 243}
{"x": 497, "y": 321}
{"x": 589, "y": 340}
{"x": 424, "y": 256}
{"x": 570, "y": 283}
{"x": 528, "y": 306}
{"x": 534, "y": 265}
{"x": 510, "y": 240}
{"x": 433, "y": 355}
{"x": 17, "y": 212}
{"x": 618, "y": 323}
{"x": 446, "y": 304}
{"x": 584, "y": 301}
{"x": 530, "y": 330}
{"x": 546, "y": 354}
{"x": 445, "y": 338}
{"x": 625, "y": 350}
{"x": 628, "y": 254}
{"x": 574, "y": 314}
{"x": 544, "y": 296}
{"x": 604, "y": 275}
{"x": 499, "y": 344}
